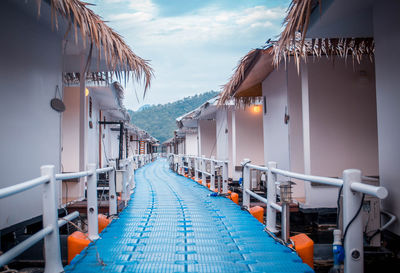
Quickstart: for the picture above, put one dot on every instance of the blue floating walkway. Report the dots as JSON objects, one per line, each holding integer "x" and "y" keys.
{"x": 172, "y": 225}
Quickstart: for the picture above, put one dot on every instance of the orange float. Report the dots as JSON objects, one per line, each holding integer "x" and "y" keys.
{"x": 258, "y": 213}
{"x": 103, "y": 222}
{"x": 76, "y": 242}
{"x": 234, "y": 197}
{"x": 305, "y": 248}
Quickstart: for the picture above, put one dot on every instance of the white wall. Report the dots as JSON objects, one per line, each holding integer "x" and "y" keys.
{"x": 249, "y": 137}
{"x": 276, "y": 146}
{"x": 207, "y": 137}
{"x": 387, "y": 38}
{"x": 70, "y": 130}
{"x": 222, "y": 133}
{"x": 191, "y": 144}
{"x": 30, "y": 69}
{"x": 342, "y": 124}
{"x": 296, "y": 151}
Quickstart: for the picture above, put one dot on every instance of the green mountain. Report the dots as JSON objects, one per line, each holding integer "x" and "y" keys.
{"x": 159, "y": 120}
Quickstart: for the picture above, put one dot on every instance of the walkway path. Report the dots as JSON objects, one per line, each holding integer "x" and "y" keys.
{"x": 172, "y": 225}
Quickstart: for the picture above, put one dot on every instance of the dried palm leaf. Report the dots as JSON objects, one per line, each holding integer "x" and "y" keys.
{"x": 120, "y": 59}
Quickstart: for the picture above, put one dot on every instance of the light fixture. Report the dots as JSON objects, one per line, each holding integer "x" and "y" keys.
{"x": 86, "y": 92}
{"x": 256, "y": 108}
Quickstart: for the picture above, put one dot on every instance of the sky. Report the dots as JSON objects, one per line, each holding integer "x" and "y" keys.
{"x": 192, "y": 45}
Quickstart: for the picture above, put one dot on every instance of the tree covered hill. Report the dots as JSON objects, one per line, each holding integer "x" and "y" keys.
{"x": 159, "y": 120}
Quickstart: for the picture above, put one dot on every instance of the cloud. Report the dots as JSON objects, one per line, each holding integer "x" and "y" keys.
{"x": 192, "y": 51}
{"x": 203, "y": 25}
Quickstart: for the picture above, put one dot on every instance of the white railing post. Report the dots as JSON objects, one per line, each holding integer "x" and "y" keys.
{"x": 246, "y": 184}
{"x": 203, "y": 169}
{"x": 353, "y": 241}
{"x": 125, "y": 184}
{"x": 93, "y": 225}
{"x": 212, "y": 171}
{"x": 52, "y": 250}
{"x": 271, "y": 197}
{"x": 132, "y": 170}
{"x": 112, "y": 198}
{"x": 196, "y": 168}
{"x": 225, "y": 177}
{"x": 189, "y": 167}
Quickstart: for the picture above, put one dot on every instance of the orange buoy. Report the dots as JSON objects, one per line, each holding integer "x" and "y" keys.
{"x": 208, "y": 185}
{"x": 305, "y": 248}
{"x": 76, "y": 242}
{"x": 234, "y": 197}
{"x": 258, "y": 213}
{"x": 103, "y": 222}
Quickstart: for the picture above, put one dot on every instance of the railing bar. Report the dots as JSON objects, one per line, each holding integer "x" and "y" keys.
{"x": 276, "y": 206}
{"x": 23, "y": 186}
{"x": 256, "y": 196}
{"x": 104, "y": 170}
{"x": 255, "y": 167}
{"x": 311, "y": 178}
{"x": 67, "y": 218}
{"x": 64, "y": 176}
{"x": 379, "y": 192}
{"x": 21, "y": 247}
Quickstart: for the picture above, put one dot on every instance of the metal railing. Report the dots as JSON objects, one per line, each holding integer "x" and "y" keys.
{"x": 353, "y": 191}
{"x": 203, "y": 168}
{"x": 51, "y": 223}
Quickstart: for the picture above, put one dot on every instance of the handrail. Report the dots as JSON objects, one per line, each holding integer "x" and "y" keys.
{"x": 65, "y": 176}
{"x": 311, "y": 178}
{"x": 24, "y": 245}
{"x": 199, "y": 167}
{"x": 51, "y": 223}
{"x": 11, "y": 190}
{"x": 353, "y": 191}
{"x": 104, "y": 170}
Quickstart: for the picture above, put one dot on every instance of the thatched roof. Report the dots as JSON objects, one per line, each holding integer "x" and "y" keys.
{"x": 292, "y": 40}
{"x": 93, "y": 31}
{"x": 251, "y": 70}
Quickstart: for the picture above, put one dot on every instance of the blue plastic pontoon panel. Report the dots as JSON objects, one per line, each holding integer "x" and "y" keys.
{"x": 171, "y": 224}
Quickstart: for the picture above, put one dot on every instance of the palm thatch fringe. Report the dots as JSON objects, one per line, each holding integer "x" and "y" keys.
{"x": 241, "y": 71}
{"x": 243, "y": 102}
{"x": 292, "y": 40}
{"x": 357, "y": 48}
{"x": 120, "y": 59}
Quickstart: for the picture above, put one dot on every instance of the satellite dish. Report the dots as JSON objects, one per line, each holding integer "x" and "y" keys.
{"x": 57, "y": 105}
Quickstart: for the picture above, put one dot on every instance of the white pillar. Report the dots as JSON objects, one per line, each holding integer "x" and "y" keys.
{"x": 83, "y": 121}
{"x": 203, "y": 168}
{"x": 271, "y": 198}
{"x": 353, "y": 242}
{"x": 92, "y": 212}
{"x": 246, "y": 185}
{"x": 212, "y": 171}
{"x": 52, "y": 250}
{"x": 111, "y": 191}
{"x": 225, "y": 177}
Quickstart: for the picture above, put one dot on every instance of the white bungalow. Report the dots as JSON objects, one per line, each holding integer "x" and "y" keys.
{"x": 39, "y": 53}
{"x": 378, "y": 20}
{"x": 318, "y": 122}
{"x": 225, "y": 132}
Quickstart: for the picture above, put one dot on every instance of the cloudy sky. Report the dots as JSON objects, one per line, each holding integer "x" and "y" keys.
{"x": 193, "y": 45}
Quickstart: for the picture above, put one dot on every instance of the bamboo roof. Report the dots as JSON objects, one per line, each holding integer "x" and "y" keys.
{"x": 246, "y": 81}
{"x": 245, "y": 85}
{"x": 293, "y": 42}
{"x": 94, "y": 32}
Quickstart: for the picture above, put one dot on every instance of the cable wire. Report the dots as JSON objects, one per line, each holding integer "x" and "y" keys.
{"x": 352, "y": 220}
